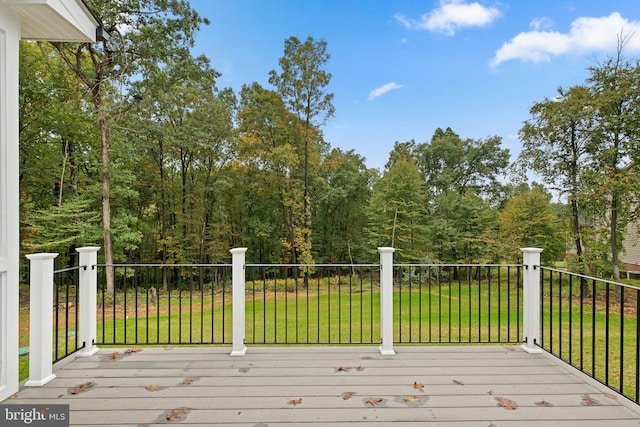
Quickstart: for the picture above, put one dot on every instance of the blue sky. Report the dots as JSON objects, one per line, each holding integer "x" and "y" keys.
{"x": 401, "y": 69}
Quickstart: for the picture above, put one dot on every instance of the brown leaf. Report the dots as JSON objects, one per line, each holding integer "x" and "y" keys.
{"x": 360, "y": 368}
{"x": 82, "y": 388}
{"x": 507, "y": 404}
{"x": 610, "y": 396}
{"x": 347, "y": 395}
{"x": 373, "y": 401}
{"x": 490, "y": 392}
{"x": 176, "y": 414}
{"x": 14, "y": 396}
{"x": 418, "y": 386}
{"x": 243, "y": 370}
{"x": 133, "y": 350}
{"x": 153, "y": 387}
{"x": 295, "y": 402}
{"x": 543, "y": 403}
{"x": 508, "y": 347}
{"x": 115, "y": 355}
{"x": 589, "y": 401}
{"x": 458, "y": 382}
{"x": 412, "y": 399}
{"x": 187, "y": 381}
{"x": 344, "y": 369}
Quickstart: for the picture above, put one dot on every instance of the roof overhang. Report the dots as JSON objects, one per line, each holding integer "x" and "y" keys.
{"x": 56, "y": 20}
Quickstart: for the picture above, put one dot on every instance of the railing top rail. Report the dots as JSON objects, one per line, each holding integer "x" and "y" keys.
{"x": 312, "y": 265}
{"x": 458, "y": 265}
{"x": 162, "y": 265}
{"x": 64, "y": 270}
{"x": 611, "y": 282}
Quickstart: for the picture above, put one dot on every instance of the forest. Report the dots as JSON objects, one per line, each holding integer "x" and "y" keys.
{"x": 128, "y": 144}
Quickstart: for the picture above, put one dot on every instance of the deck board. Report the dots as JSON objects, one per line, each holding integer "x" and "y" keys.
{"x": 256, "y": 389}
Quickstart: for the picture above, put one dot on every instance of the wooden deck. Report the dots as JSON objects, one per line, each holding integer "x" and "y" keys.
{"x": 463, "y": 386}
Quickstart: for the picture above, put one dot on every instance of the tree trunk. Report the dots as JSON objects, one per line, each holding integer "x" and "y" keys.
{"x": 106, "y": 194}
{"x": 163, "y": 213}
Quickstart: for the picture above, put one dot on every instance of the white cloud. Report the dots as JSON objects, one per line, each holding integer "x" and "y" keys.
{"x": 541, "y": 23}
{"x": 379, "y": 91}
{"x": 452, "y": 15}
{"x": 586, "y": 35}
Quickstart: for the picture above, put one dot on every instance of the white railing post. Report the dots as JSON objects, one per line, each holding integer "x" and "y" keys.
{"x": 40, "y": 319}
{"x": 88, "y": 288}
{"x": 386, "y": 301}
{"x": 531, "y": 305}
{"x": 238, "y": 298}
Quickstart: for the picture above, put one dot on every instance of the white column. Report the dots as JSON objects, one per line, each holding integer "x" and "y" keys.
{"x": 238, "y": 326}
{"x": 10, "y": 30}
{"x": 41, "y": 319}
{"x": 531, "y": 305}
{"x": 386, "y": 301}
{"x": 88, "y": 288}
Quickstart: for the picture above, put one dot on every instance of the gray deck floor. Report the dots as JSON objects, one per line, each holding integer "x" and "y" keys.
{"x": 305, "y": 385}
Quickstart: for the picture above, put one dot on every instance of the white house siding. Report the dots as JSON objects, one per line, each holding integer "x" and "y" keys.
{"x": 631, "y": 244}
{"x": 9, "y": 201}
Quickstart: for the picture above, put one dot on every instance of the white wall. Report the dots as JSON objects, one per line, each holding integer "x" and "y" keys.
{"x": 9, "y": 200}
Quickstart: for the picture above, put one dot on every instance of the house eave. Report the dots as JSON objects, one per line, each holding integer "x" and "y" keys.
{"x": 56, "y": 20}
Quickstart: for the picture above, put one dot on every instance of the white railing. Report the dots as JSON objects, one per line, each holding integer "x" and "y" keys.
{"x": 41, "y": 281}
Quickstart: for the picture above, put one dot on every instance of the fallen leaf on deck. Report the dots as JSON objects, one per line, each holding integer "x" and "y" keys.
{"x": 114, "y": 355}
{"x": 295, "y": 402}
{"x": 373, "y": 401}
{"x": 610, "y": 396}
{"x": 14, "y": 396}
{"x": 176, "y": 414}
{"x": 153, "y": 387}
{"x": 543, "y": 403}
{"x": 347, "y": 395}
{"x": 507, "y": 404}
{"x": 243, "y": 370}
{"x": 82, "y": 387}
{"x": 412, "y": 399}
{"x": 133, "y": 350}
{"x": 344, "y": 369}
{"x": 458, "y": 382}
{"x": 418, "y": 386}
{"x": 508, "y": 347}
{"x": 589, "y": 401}
{"x": 360, "y": 369}
{"x": 490, "y": 392}
{"x": 187, "y": 381}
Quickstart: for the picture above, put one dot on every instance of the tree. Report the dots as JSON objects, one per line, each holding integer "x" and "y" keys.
{"x": 526, "y": 221}
{"x": 143, "y": 33}
{"x": 342, "y": 197}
{"x": 612, "y": 176}
{"x": 450, "y": 163}
{"x": 270, "y": 149}
{"x": 397, "y": 211}
{"x": 555, "y": 146}
{"x": 301, "y": 84}
{"x": 55, "y": 143}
